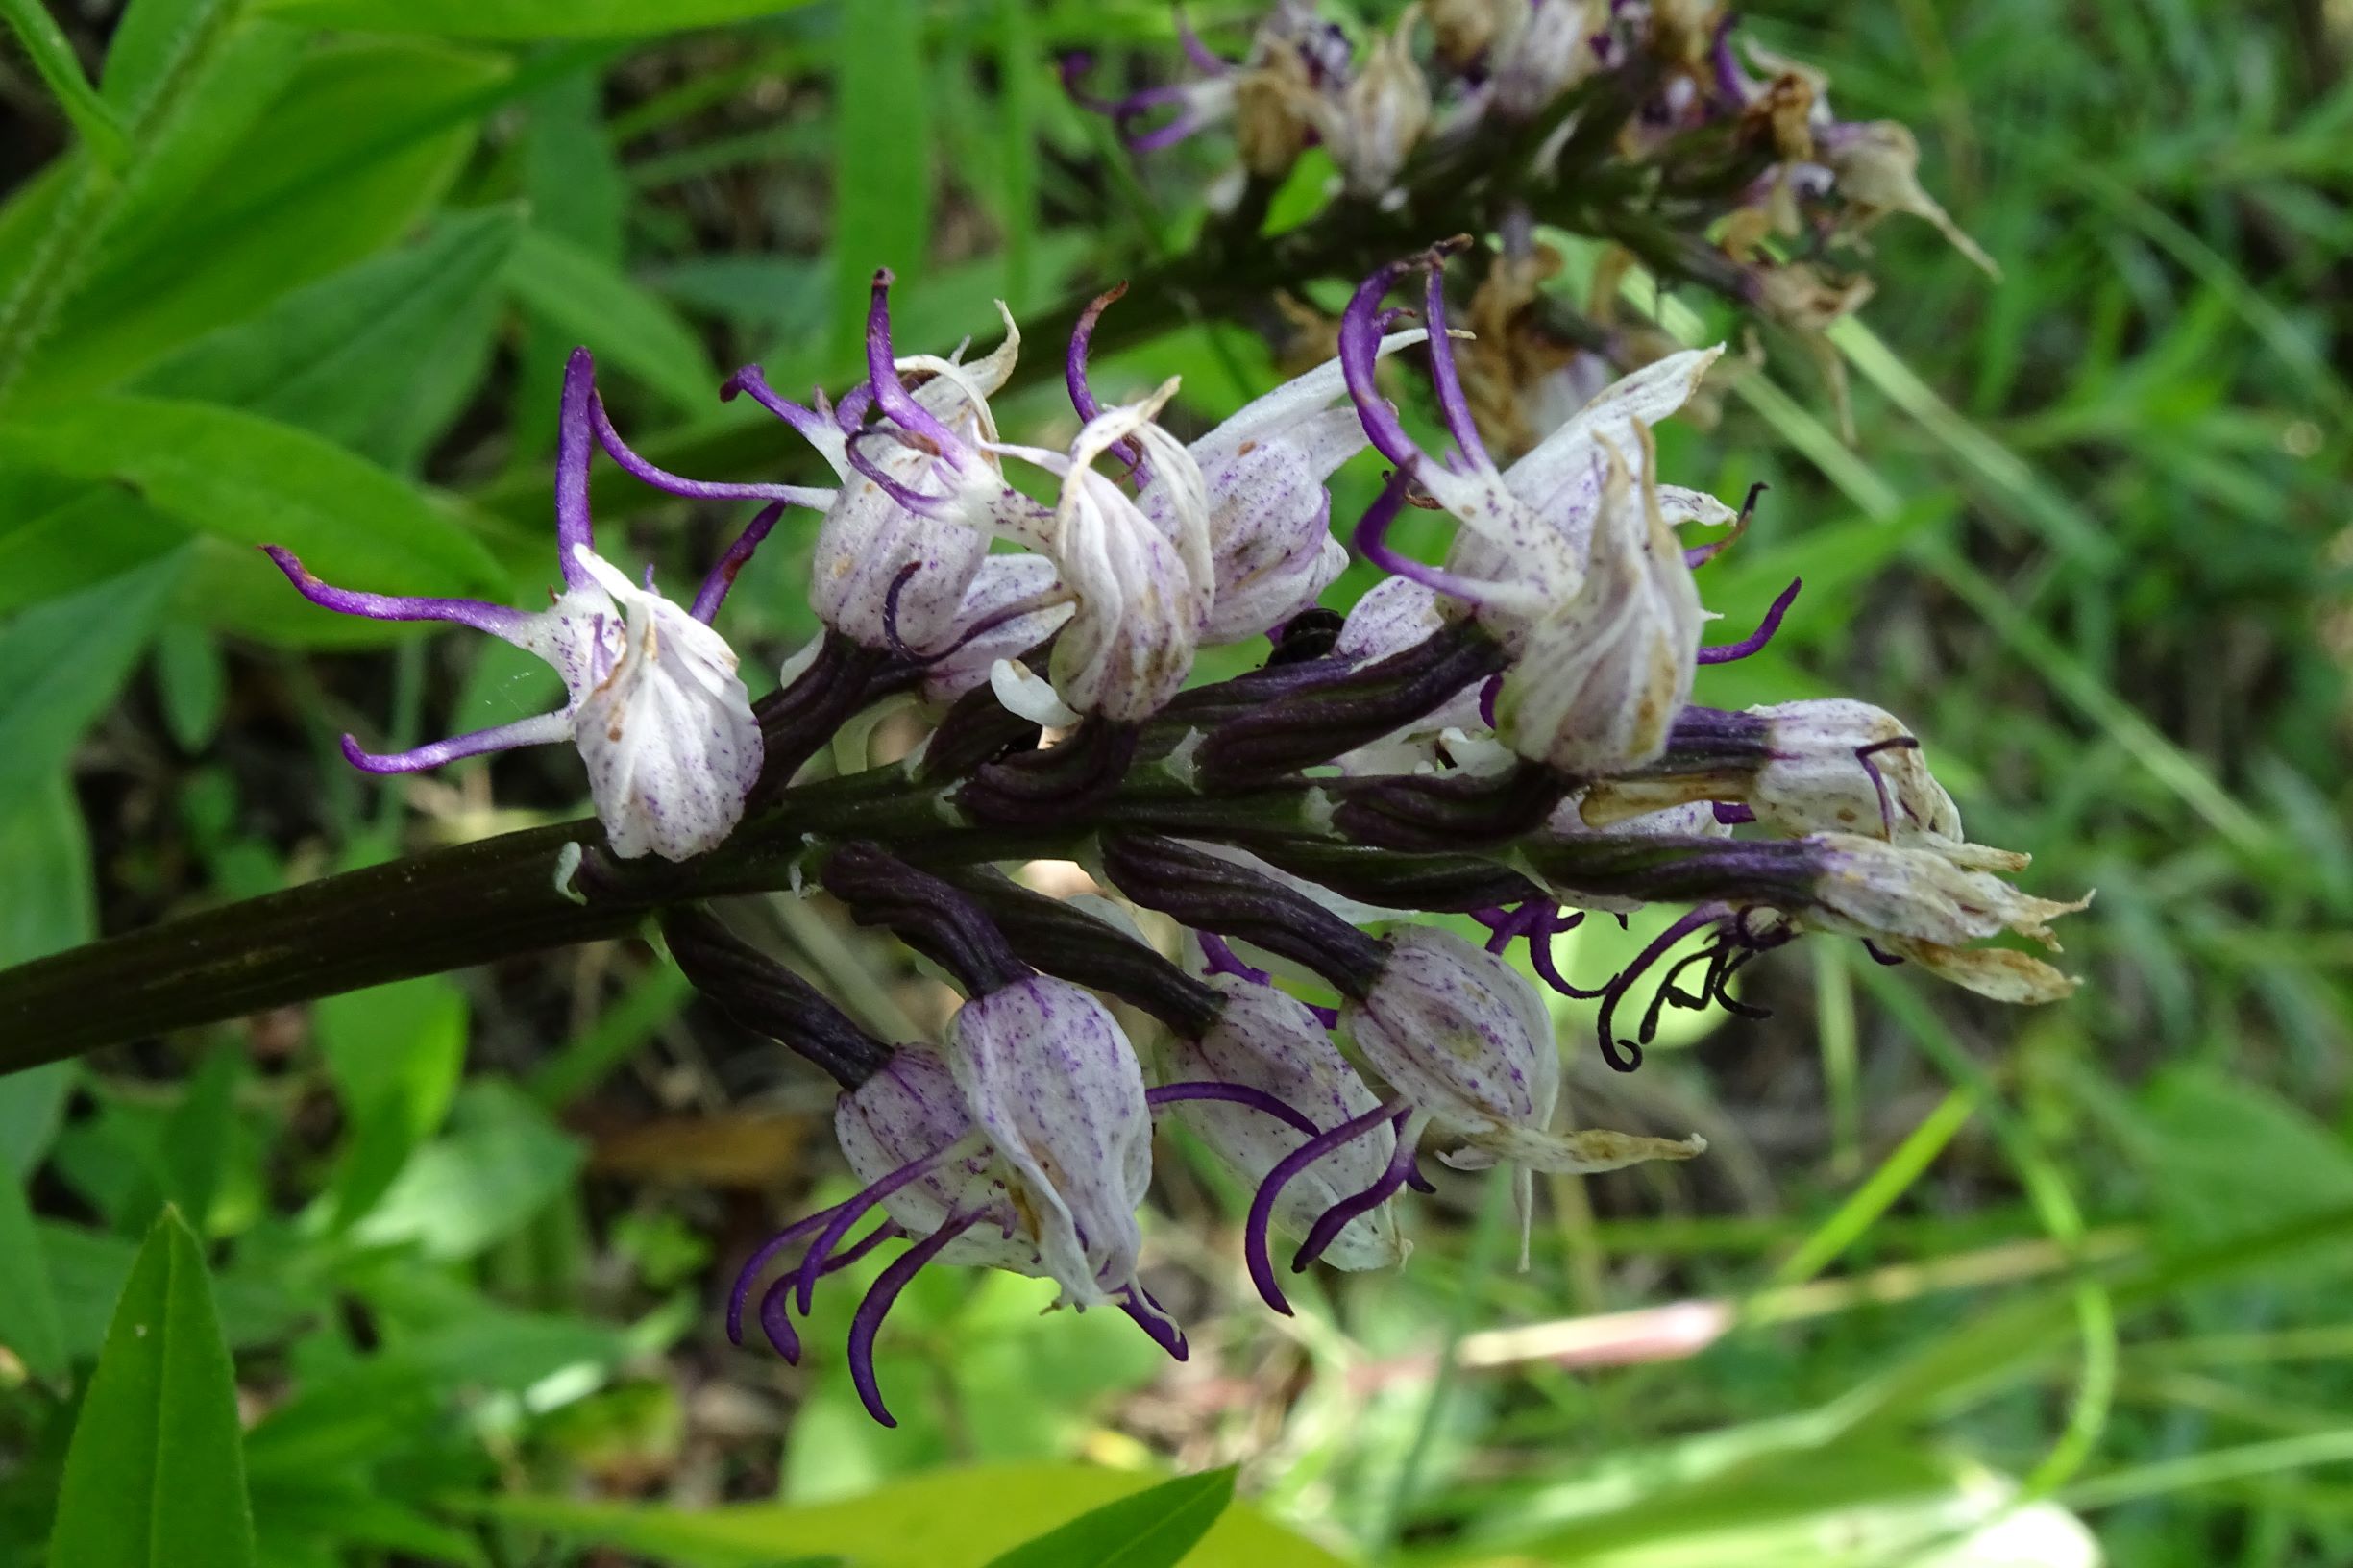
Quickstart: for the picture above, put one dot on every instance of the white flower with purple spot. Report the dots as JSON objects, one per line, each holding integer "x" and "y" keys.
{"x": 653, "y": 700}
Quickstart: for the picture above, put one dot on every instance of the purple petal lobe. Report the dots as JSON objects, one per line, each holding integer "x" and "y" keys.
{"x": 867, "y": 1320}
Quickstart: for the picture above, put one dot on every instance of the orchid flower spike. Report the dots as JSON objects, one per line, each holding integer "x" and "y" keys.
{"x": 1526, "y": 533}
{"x": 654, "y": 700}
{"x": 1269, "y": 515}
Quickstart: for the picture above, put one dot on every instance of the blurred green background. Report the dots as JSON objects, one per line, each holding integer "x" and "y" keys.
{"x": 469, "y": 1236}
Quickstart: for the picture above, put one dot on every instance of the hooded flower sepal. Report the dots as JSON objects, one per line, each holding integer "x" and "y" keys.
{"x": 1270, "y": 548}
{"x": 1604, "y": 675}
{"x": 1270, "y": 1043}
{"x": 1140, "y": 583}
{"x": 1525, "y": 537}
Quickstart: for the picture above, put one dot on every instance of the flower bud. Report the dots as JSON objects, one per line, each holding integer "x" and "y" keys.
{"x": 1604, "y": 676}
{"x": 1269, "y": 1041}
{"x": 1550, "y": 51}
{"x": 1462, "y": 29}
{"x": 1466, "y": 1042}
{"x": 1273, "y": 101}
{"x": 1384, "y": 112}
{"x": 1052, "y": 1083}
{"x": 653, "y": 697}
{"x": 1876, "y": 165}
{"x": 1921, "y": 905}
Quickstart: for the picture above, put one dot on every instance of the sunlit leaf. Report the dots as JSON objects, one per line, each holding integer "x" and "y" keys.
{"x": 155, "y": 1475}
{"x": 1152, "y": 1529}
{"x": 68, "y": 657}
{"x": 943, "y": 1519}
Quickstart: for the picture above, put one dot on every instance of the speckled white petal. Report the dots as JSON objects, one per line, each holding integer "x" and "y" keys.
{"x": 668, "y": 733}
{"x": 1600, "y": 681}
{"x": 1022, "y": 602}
{"x": 1459, "y": 1035}
{"x": 1053, "y": 1083}
{"x": 910, "y": 1110}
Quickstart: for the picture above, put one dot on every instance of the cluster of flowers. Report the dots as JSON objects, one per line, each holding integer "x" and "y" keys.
{"x": 1658, "y": 124}
{"x": 1686, "y": 69}
{"x": 1509, "y": 735}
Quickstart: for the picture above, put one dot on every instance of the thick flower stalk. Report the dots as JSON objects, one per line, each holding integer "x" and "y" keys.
{"x": 1519, "y": 734}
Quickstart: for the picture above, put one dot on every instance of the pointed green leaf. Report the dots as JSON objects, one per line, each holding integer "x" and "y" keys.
{"x": 591, "y": 302}
{"x": 251, "y": 481}
{"x": 1151, "y": 1529}
{"x": 336, "y": 356}
{"x": 67, "y": 658}
{"x": 882, "y": 156}
{"x": 28, "y": 1322}
{"x": 156, "y": 1474}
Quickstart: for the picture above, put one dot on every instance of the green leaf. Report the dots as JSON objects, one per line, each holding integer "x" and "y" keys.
{"x": 882, "y": 156}
{"x": 345, "y": 158}
{"x": 339, "y": 356}
{"x": 959, "y": 1518}
{"x": 28, "y": 1322}
{"x": 192, "y": 679}
{"x": 502, "y": 1161}
{"x": 155, "y": 1473}
{"x": 94, "y": 119}
{"x": 1151, "y": 1529}
{"x": 58, "y": 535}
{"x": 251, "y": 481}
{"x": 525, "y": 19}
{"x": 67, "y": 659}
{"x": 395, "y": 1053}
{"x": 591, "y": 302}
